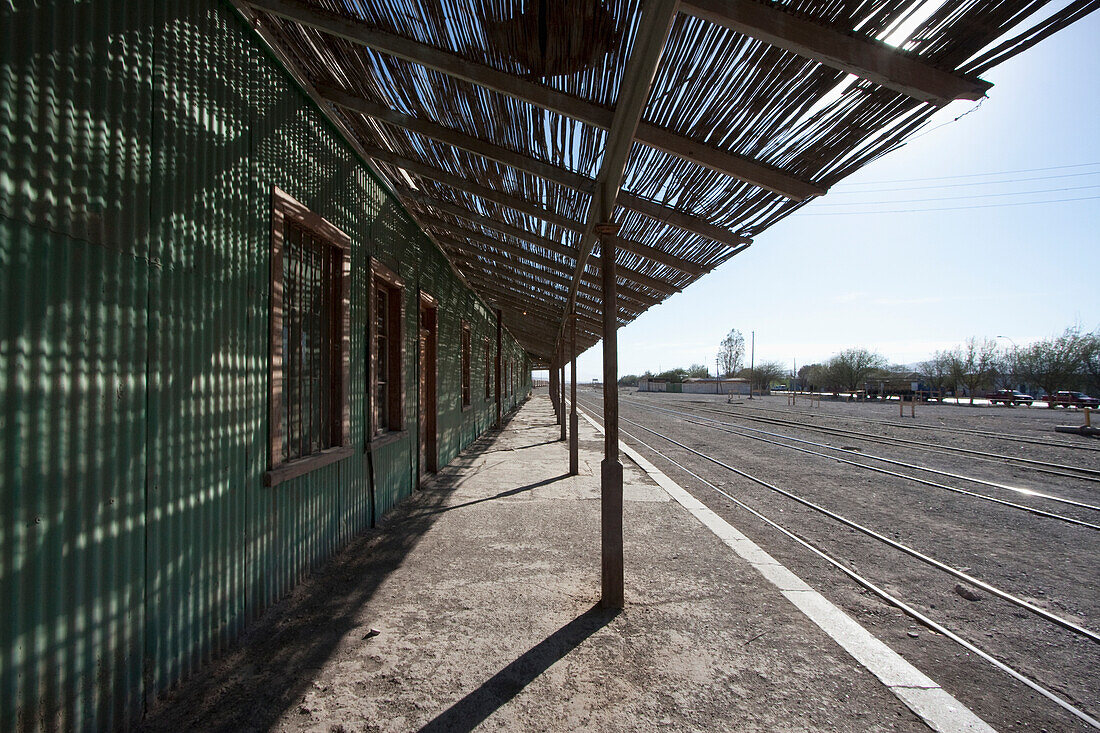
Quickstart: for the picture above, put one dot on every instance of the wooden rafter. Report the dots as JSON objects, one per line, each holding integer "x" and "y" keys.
{"x": 654, "y": 25}
{"x": 626, "y": 273}
{"x": 667, "y": 214}
{"x": 632, "y": 299}
{"x": 866, "y": 58}
{"x": 680, "y": 220}
{"x": 469, "y": 143}
{"x": 421, "y": 168}
{"x": 568, "y": 105}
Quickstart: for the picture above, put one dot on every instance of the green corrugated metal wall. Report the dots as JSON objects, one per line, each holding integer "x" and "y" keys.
{"x": 140, "y": 143}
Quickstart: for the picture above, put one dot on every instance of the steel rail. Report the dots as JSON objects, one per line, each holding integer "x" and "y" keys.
{"x": 729, "y": 428}
{"x": 942, "y": 428}
{"x": 891, "y": 599}
{"x": 1058, "y": 469}
{"x": 928, "y": 560}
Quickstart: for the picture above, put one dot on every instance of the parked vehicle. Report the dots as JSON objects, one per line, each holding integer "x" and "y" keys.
{"x": 1067, "y": 398}
{"x": 1010, "y": 397}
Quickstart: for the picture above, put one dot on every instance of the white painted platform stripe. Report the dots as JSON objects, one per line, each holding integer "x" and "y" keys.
{"x": 934, "y": 705}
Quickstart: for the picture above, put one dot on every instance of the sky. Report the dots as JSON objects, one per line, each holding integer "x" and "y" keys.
{"x": 968, "y": 260}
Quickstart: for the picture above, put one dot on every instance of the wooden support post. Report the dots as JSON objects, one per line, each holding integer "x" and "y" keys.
{"x": 554, "y": 386}
{"x": 574, "y": 444}
{"x": 611, "y": 471}
{"x": 564, "y": 419}
{"x": 500, "y": 416}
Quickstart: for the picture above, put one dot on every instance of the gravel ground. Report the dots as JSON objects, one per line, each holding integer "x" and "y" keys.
{"x": 1047, "y": 562}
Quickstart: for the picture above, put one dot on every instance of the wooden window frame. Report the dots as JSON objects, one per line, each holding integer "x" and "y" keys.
{"x": 395, "y": 377}
{"x": 465, "y": 357}
{"x": 284, "y": 209}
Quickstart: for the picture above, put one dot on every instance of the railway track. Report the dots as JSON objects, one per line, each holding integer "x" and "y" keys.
{"x": 864, "y": 582}
{"x": 1046, "y": 467}
{"x": 763, "y": 436}
{"x": 723, "y": 427}
{"x": 1082, "y": 446}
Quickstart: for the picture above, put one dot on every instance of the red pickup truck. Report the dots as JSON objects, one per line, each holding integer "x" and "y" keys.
{"x": 1066, "y": 398}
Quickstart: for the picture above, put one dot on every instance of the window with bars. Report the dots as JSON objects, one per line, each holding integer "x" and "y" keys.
{"x": 310, "y": 280}
{"x": 465, "y": 358}
{"x": 386, "y": 319}
{"x": 488, "y": 368}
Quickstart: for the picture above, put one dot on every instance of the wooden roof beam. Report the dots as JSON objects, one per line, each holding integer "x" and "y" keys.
{"x": 469, "y": 143}
{"x": 642, "y": 250}
{"x": 625, "y": 273}
{"x": 680, "y": 220}
{"x": 427, "y": 170}
{"x": 496, "y": 224}
{"x": 864, "y": 57}
{"x": 730, "y": 164}
{"x": 362, "y": 34}
{"x": 631, "y": 299}
{"x": 654, "y": 25}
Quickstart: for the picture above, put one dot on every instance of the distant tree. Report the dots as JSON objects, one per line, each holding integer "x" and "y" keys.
{"x": 1090, "y": 361}
{"x": 697, "y": 371}
{"x": 1006, "y": 369}
{"x": 628, "y": 380}
{"x": 731, "y": 353}
{"x": 1057, "y": 363}
{"x": 851, "y": 367}
{"x": 977, "y": 361}
{"x": 767, "y": 373}
{"x": 956, "y": 365}
{"x": 937, "y": 371}
{"x": 672, "y": 375}
{"x": 813, "y": 376}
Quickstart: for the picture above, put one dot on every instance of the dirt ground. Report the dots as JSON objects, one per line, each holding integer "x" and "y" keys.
{"x": 473, "y": 606}
{"x": 1049, "y": 563}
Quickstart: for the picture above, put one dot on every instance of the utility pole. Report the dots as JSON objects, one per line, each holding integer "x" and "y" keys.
{"x": 717, "y": 376}
{"x": 752, "y": 364}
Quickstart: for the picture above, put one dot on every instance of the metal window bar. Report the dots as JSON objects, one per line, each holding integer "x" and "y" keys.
{"x": 310, "y": 291}
{"x": 465, "y": 366}
{"x": 381, "y": 371}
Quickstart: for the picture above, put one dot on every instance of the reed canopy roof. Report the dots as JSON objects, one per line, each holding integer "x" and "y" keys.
{"x": 510, "y": 129}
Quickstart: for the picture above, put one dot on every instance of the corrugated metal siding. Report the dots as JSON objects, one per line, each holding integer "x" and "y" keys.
{"x": 141, "y": 143}
{"x": 73, "y": 282}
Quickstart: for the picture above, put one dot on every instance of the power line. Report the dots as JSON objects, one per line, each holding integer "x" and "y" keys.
{"x": 958, "y": 185}
{"x": 973, "y": 175}
{"x": 810, "y": 212}
{"x": 953, "y": 198}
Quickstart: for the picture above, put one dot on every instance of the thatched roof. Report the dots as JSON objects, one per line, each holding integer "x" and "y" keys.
{"x": 511, "y": 128}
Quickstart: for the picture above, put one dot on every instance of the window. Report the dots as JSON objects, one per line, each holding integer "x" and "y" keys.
{"x": 465, "y": 365}
{"x": 386, "y": 319}
{"x": 488, "y": 368}
{"x": 308, "y": 365}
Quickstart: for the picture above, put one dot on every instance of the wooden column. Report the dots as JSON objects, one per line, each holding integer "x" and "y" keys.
{"x": 564, "y": 420}
{"x": 574, "y": 458}
{"x": 554, "y": 386}
{"x": 498, "y": 365}
{"x": 611, "y": 471}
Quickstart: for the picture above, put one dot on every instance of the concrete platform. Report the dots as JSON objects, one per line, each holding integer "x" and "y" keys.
{"x": 482, "y": 589}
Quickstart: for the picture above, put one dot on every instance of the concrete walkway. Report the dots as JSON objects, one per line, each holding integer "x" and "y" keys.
{"x": 473, "y": 605}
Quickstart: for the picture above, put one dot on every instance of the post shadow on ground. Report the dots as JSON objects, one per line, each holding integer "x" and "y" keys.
{"x": 265, "y": 674}
{"x": 501, "y": 495}
{"x": 494, "y": 693}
